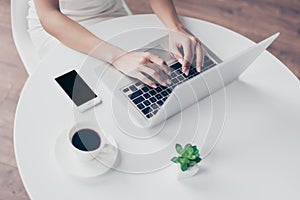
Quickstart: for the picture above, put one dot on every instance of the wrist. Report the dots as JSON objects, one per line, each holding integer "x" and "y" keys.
{"x": 176, "y": 27}
{"x": 108, "y": 52}
{"x": 115, "y": 62}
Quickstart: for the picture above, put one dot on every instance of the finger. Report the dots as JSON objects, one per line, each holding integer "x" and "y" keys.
{"x": 159, "y": 61}
{"x": 188, "y": 58}
{"x": 165, "y": 69}
{"x": 199, "y": 57}
{"x": 146, "y": 80}
{"x": 153, "y": 73}
{"x": 177, "y": 54}
{"x": 164, "y": 76}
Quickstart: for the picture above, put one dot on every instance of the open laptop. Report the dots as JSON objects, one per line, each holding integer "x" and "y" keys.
{"x": 150, "y": 106}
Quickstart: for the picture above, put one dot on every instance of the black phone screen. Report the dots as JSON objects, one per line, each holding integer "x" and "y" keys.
{"x": 76, "y": 88}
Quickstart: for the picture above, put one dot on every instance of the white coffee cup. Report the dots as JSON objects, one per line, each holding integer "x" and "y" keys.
{"x": 87, "y": 128}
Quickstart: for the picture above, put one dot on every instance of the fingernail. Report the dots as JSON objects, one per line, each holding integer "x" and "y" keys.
{"x": 163, "y": 84}
{"x": 169, "y": 81}
{"x": 153, "y": 85}
{"x": 180, "y": 60}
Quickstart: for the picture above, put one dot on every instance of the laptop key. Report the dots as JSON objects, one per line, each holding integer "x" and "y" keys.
{"x": 152, "y": 92}
{"x": 138, "y": 100}
{"x": 150, "y": 109}
{"x": 145, "y": 88}
{"x": 154, "y": 106}
{"x": 173, "y": 74}
{"x": 132, "y": 88}
{"x": 176, "y": 66}
{"x": 140, "y": 106}
{"x": 125, "y": 90}
{"x": 164, "y": 93}
{"x": 163, "y": 87}
{"x": 175, "y": 80}
{"x": 153, "y": 99}
{"x": 180, "y": 78}
{"x": 192, "y": 71}
{"x": 147, "y": 96}
{"x": 135, "y": 94}
{"x": 147, "y": 110}
{"x": 149, "y": 115}
{"x": 178, "y": 72}
{"x": 160, "y": 102}
{"x": 138, "y": 84}
{"x": 158, "y": 89}
{"x": 158, "y": 96}
{"x": 147, "y": 103}
{"x": 169, "y": 90}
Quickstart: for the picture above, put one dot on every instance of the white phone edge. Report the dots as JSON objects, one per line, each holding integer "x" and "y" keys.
{"x": 89, "y": 104}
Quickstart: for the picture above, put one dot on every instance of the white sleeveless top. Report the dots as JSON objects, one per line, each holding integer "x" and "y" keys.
{"x": 85, "y": 12}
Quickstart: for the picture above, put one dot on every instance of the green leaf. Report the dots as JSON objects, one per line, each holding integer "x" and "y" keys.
{"x": 186, "y": 154}
{"x": 196, "y": 151}
{"x": 190, "y": 150}
{"x": 186, "y": 160}
{"x": 184, "y": 167}
{"x": 195, "y": 147}
{"x": 174, "y": 159}
{"x": 183, "y": 160}
{"x": 187, "y": 146}
{"x": 180, "y": 160}
{"x": 198, "y": 159}
{"x": 179, "y": 149}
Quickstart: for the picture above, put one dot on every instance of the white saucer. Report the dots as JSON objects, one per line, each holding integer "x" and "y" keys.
{"x": 85, "y": 169}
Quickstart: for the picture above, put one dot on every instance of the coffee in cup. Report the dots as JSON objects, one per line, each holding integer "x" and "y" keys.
{"x": 86, "y": 140}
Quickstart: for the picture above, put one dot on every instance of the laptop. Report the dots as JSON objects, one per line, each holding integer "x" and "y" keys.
{"x": 149, "y": 106}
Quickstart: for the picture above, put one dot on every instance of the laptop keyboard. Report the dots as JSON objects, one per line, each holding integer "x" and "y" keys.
{"x": 148, "y": 100}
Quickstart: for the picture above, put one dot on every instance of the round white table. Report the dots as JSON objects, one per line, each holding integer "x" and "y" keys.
{"x": 257, "y": 156}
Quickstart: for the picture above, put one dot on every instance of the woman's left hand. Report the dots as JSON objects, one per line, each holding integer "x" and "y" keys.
{"x": 186, "y": 48}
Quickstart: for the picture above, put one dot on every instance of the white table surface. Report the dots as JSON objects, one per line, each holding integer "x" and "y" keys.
{"x": 257, "y": 156}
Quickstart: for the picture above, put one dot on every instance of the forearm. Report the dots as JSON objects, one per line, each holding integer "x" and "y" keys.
{"x": 76, "y": 36}
{"x": 166, "y": 12}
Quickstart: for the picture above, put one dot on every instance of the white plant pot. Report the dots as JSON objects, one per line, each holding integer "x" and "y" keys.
{"x": 188, "y": 173}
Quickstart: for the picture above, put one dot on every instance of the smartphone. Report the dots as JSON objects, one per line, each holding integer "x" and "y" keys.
{"x": 77, "y": 89}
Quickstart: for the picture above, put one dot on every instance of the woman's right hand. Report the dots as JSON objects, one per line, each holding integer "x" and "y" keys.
{"x": 147, "y": 67}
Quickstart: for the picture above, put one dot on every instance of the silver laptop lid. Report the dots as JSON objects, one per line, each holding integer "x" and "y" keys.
{"x": 210, "y": 81}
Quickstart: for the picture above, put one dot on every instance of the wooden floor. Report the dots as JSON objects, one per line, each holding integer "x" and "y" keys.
{"x": 255, "y": 19}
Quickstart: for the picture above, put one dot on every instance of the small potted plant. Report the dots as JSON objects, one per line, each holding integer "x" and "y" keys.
{"x": 188, "y": 159}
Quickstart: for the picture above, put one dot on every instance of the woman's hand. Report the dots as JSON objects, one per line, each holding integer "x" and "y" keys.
{"x": 186, "y": 48}
{"x": 147, "y": 67}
